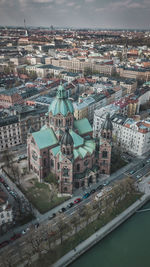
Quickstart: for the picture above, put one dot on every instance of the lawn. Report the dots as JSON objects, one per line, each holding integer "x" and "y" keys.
{"x": 39, "y": 195}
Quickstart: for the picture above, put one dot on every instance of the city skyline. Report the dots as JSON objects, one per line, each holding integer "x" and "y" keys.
{"x": 76, "y": 13}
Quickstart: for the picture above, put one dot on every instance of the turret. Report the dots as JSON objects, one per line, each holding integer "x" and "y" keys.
{"x": 67, "y": 144}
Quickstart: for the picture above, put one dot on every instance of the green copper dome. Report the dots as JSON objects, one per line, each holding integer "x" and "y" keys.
{"x": 61, "y": 104}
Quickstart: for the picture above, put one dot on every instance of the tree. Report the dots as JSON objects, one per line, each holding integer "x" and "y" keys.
{"x": 75, "y": 221}
{"x": 62, "y": 227}
{"x": 7, "y": 158}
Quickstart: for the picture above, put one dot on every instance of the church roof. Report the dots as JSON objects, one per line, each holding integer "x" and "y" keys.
{"x": 88, "y": 147}
{"x": 67, "y": 138}
{"x": 45, "y": 138}
{"x": 77, "y": 139}
{"x": 61, "y": 104}
{"x": 83, "y": 126}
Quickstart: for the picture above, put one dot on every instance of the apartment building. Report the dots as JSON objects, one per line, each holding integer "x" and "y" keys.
{"x": 6, "y": 214}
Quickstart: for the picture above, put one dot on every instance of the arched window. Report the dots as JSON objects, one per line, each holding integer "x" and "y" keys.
{"x": 52, "y": 163}
{"x": 63, "y": 150}
{"x": 104, "y": 135}
{"x": 58, "y": 165}
{"x": 44, "y": 162}
{"x": 78, "y": 167}
{"x": 104, "y": 154}
{"x": 65, "y": 172}
{"x": 68, "y": 152}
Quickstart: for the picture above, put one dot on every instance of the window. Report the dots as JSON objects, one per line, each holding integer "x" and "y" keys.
{"x": 86, "y": 162}
{"x": 52, "y": 163}
{"x": 78, "y": 167}
{"x": 58, "y": 165}
{"x": 104, "y": 154}
{"x": 44, "y": 162}
{"x": 65, "y": 171}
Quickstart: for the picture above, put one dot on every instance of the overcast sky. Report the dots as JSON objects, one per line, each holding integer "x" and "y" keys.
{"x": 76, "y": 13}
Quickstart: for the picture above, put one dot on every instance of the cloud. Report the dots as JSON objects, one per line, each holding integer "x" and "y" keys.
{"x": 70, "y": 4}
{"x": 43, "y": 1}
{"x": 60, "y": 2}
{"x": 89, "y": 1}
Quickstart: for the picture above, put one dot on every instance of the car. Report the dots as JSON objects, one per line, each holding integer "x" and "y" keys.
{"x": 4, "y": 243}
{"x": 62, "y": 210}
{"x": 100, "y": 187}
{"x": 8, "y": 188}
{"x": 132, "y": 171}
{"x": 1, "y": 180}
{"x": 138, "y": 176}
{"x": 12, "y": 193}
{"x": 77, "y": 200}
{"x": 139, "y": 180}
{"x": 52, "y": 216}
{"x": 25, "y": 231}
{"x": 106, "y": 183}
{"x": 86, "y": 195}
{"x": 36, "y": 225}
{"x": 148, "y": 161}
{"x": 16, "y": 236}
{"x": 70, "y": 205}
{"x": 92, "y": 191}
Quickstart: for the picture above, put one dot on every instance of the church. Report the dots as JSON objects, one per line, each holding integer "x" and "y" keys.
{"x": 65, "y": 147}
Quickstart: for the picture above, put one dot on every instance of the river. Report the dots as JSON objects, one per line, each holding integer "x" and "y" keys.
{"x": 127, "y": 246}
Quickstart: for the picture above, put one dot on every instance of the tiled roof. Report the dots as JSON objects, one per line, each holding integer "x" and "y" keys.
{"x": 45, "y": 138}
{"x": 83, "y": 126}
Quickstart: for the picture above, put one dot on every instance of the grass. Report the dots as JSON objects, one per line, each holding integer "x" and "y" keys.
{"x": 39, "y": 195}
{"x": 83, "y": 234}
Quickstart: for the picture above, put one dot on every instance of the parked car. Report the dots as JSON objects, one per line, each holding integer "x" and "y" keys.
{"x": 52, "y": 216}
{"x": 86, "y": 195}
{"x": 106, "y": 183}
{"x": 3, "y": 244}
{"x": 1, "y": 180}
{"x": 77, "y": 200}
{"x": 92, "y": 191}
{"x": 100, "y": 187}
{"x": 70, "y": 205}
{"x": 132, "y": 171}
{"x": 14, "y": 237}
{"x": 25, "y": 231}
{"x": 138, "y": 176}
{"x": 8, "y": 188}
{"x": 62, "y": 210}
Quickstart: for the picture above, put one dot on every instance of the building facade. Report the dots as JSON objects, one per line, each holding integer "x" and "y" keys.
{"x": 65, "y": 147}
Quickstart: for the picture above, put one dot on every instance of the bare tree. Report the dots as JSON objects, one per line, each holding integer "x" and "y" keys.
{"x": 62, "y": 227}
{"x": 75, "y": 220}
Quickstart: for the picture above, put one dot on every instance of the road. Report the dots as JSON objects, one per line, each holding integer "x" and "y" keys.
{"x": 137, "y": 165}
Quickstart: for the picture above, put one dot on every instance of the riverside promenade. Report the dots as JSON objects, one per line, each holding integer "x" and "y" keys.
{"x": 144, "y": 187}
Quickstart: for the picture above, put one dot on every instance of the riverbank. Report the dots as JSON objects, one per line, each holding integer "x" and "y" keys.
{"x": 100, "y": 234}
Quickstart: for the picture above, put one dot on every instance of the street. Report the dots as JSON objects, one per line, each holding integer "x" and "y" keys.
{"x": 40, "y": 218}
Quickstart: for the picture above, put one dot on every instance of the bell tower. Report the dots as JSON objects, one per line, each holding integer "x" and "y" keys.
{"x": 105, "y": 146}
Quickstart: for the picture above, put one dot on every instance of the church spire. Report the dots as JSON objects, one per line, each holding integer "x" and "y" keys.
{"x": 61, "y": 93}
